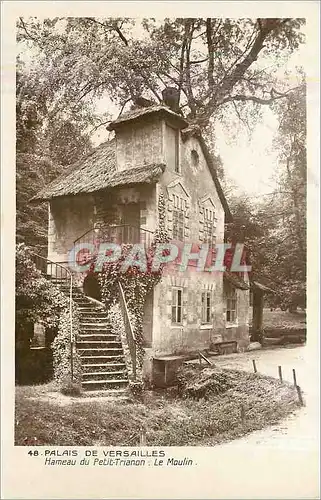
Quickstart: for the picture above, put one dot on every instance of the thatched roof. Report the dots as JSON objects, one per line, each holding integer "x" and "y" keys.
{"x": 141, "y": 113}
{"x": 96, "y": 172}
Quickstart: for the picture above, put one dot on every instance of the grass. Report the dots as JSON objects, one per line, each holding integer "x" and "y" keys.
{"x": 278, "y": 319}
{"x": 168, "y": 419}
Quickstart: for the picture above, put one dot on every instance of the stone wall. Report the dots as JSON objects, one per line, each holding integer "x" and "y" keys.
{"x": 195, "y": 186}
{"x": 191, "y": 335}
{"x": 141, "y": 144}
{"x": 69, "y": 218}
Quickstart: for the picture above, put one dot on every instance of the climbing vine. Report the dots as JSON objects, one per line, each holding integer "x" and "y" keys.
{"x": 62, "y": 353}
{"x": 135, "y": 282}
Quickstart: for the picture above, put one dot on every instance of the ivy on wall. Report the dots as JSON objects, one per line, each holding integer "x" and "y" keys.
{"x": 136, "y": 283}
{"x": 62, "y": 352}
{"x": 118, "y": 328}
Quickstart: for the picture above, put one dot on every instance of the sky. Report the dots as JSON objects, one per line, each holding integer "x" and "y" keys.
{"x": 251, "y": 162}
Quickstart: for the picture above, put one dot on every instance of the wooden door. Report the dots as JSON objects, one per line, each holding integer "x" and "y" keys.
{"x": 130, "y": 221}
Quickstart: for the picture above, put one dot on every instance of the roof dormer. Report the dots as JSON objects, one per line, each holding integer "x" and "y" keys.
{"x": 141, "y": 135}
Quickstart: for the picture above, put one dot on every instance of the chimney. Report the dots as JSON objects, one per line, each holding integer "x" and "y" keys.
{"x": 171, "y": 98}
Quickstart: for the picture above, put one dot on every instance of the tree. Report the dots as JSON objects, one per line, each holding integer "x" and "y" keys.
{"x": 274, "y": 230}
{"x": 36, "y": 298}
{"x": 291, "y": 220}
{"x": 214, "y": 63}
{"x": 43, "y": 146}
{"x": 67, "y": 143}
{"x": 33, "y": 173}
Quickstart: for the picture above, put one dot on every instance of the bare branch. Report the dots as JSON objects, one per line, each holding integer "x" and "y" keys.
{"x": 259, "y": 100}
{"x": 199, "y": 61}
{"x": 189, "y": 34}
{"x": 241, "y": 119}
{"x": 98, "y": 126}
{"x": 122, "y": 37}
{"x": 113, "y": 27}
{"x": 266, "y": 27}
{"x": 210, "y": 49}
{"x": 27, "y": 32}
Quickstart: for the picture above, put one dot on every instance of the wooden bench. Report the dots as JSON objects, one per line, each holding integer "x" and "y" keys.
{"x": 226, "y": 347}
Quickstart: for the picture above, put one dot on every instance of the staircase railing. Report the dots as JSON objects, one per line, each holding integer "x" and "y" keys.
{"x": 119, "y": 234}
{"x": 130, "y": 336}
{"x": 58, "y": 274}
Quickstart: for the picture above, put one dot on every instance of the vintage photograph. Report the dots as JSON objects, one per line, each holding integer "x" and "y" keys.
{"x": 161, "y": 232}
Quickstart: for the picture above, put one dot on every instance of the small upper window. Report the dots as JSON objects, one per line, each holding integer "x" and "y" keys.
{"x": 195, "y": 158}
{"x": 172, "y": 148}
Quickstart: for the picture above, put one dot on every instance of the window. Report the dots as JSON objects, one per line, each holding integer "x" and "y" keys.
{"x": 176, "y": 151}
{"x": 179, "y": 208}
{"x": 206, "y": 307}
{"x": 209, "y": 227}
{"x": 194, "y": 158}
{"x": 231, "y": 313}
{"x": 177, "y": 300}
{"x": 172, "y": 148}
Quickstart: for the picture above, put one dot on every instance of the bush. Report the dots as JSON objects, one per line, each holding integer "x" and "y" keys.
{"x": 70, "y": 388}
{"x": 37, "y": 299}
{"x": 62, "y": 352}
{"x": 198, "y": 382}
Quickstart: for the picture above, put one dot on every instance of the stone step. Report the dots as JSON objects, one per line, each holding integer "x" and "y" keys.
{"x": 97, "y": 323}
{"x": 90, "y": 324}
{"x": 102, "y": 351}
{"x": 95, "y": 331}
{"x": 84, "y": 299}
{"x": 119, "y": 375}
{"x": 98, "y": 344}
{"x": 103, "y": 367}
{"x": 91, "y": 309}
{"x": 97, "y": 337}
{"x": 100, "y": 358}
{"x": 75, "y": 295}
{"x": 104, "y": 384}
{"x": 93, "y": 321}
{"x": 93, "y": 314}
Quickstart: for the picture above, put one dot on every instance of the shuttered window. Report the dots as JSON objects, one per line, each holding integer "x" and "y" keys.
{"x": 206, "y": 307}
{"x": 177, "y": 301}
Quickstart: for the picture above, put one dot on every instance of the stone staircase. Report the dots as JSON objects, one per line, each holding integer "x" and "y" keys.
{"x": 101, "y": 351}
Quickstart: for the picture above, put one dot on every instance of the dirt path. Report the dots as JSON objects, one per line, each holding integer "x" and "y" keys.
{"x": 300, "y": 430}
{"x": 280, "y": 461}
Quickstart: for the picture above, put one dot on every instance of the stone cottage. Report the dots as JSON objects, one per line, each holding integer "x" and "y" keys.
{"x": 155, "y": 153}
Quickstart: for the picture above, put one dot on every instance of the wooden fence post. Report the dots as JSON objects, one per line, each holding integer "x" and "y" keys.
{"x": 298, "y": 389}
{"x": 242, "y": 414}
{"x": 142, "y": 438}
{"x": 280, "y": 374}
{"x": 254, "y": 365}
{"x": 294, "y": 377}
